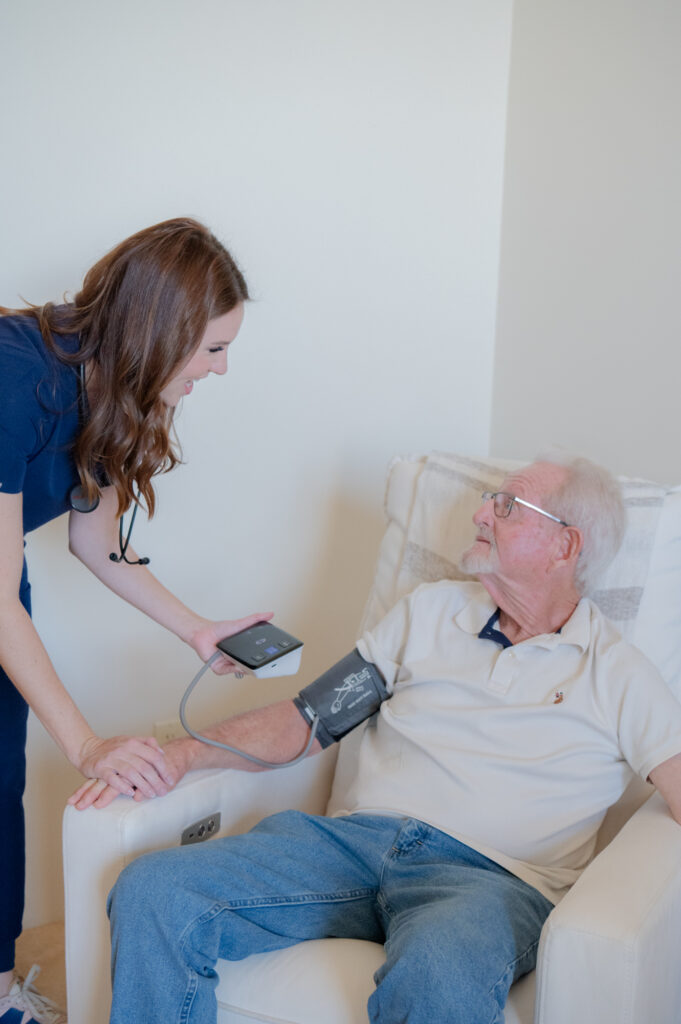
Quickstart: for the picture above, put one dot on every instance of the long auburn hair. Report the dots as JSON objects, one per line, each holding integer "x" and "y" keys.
{"x": 140, "y": 314}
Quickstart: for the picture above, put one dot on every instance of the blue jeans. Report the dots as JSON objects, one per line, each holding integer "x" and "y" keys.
{"x": 458, "y": 929}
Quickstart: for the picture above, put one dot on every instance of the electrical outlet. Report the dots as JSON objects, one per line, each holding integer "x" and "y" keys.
{"x": 201, "y": 830}
{"x": 171, "y": 729}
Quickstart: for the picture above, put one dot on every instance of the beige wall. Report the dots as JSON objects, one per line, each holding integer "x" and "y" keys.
{"x": 589, "y": 324}
{"x": 351, "y": 154}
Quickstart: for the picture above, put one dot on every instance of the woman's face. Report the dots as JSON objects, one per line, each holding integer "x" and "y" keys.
{"x": 209, "y": 357}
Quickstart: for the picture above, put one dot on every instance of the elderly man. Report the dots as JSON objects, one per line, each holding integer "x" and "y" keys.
{"x": 515, "y": 715}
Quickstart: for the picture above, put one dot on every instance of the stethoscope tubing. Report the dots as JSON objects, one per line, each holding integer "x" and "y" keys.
{"x": 81, "y": 503}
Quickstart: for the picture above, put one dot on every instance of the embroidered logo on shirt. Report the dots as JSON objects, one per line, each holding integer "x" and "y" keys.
{"x": 558, "y": 697}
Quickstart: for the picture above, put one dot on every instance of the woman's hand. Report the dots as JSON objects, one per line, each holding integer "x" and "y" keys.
{"x": 128, "y": 764}
{"x": 99, "y": 794}
{"x": 205, "y": 638}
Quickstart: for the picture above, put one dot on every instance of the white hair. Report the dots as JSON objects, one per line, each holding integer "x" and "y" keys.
{"x": 590, "y": 499}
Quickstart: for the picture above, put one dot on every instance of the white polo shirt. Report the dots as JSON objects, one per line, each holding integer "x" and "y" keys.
{"x": 517, "y": 752}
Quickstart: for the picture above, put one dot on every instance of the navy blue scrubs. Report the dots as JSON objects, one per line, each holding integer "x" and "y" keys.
{"x": 38, "y": 424}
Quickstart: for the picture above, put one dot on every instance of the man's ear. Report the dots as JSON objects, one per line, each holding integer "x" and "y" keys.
{"x": 570, "y": 545}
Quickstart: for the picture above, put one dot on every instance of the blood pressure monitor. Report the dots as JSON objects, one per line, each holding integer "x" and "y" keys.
{"x": 337, "y": 701}
{"x": 264, "y": 651}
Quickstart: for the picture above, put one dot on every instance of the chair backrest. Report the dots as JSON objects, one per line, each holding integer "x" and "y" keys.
{"x": 429, "y": 504}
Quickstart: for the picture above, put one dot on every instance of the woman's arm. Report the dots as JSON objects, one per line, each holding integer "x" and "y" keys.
{"x": 125, "y": 762}
{"x": 94, "y": 535}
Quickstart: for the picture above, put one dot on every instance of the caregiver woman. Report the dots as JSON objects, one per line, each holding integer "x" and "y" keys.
{"x": 153, "y": 316}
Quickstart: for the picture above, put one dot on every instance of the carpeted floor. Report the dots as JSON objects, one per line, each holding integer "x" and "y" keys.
{"x": 45, "y": 946}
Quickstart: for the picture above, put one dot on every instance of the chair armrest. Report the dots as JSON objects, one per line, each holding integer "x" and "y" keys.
{"x": 99, "y": 843}
{"x": 609, "y": 950}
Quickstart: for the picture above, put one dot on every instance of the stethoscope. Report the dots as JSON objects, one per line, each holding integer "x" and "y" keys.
{"x": 79, "y": 500}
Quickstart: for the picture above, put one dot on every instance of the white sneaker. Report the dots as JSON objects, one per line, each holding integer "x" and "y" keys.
{"x": 23, "y": 1005}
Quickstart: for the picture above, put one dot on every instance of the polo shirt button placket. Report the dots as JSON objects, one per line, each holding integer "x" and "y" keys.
{"x": 503, "y": 673}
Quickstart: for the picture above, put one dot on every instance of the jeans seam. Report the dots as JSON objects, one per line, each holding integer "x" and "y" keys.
{"x": 187, "y": 1002}
{"x": 349, "y": 895}
{"x": 300, "y": 899}
{"x": 394, "y": 853}
{"x": 510, "y": 968}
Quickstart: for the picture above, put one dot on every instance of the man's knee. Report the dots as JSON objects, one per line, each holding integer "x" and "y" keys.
{"x": 418, "y": 991}
{"x": 141, "y": 884}
{"x": 431, "y": 978}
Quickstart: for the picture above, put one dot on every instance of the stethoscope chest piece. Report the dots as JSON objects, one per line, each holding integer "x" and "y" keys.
{"x": 79, "y": 500}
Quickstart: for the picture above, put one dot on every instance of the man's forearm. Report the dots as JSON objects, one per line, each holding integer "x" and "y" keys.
{"x": 276, "y": 733}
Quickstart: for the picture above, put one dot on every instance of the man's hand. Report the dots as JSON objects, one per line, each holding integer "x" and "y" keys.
{"x": 99, "y": 793}
{"x": 666, "y": 777}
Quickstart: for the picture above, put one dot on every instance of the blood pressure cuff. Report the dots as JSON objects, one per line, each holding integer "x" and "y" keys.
{"x": 343, "y": 697}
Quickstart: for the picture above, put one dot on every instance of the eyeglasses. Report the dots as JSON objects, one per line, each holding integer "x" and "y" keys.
{"x": 503, "y": 503}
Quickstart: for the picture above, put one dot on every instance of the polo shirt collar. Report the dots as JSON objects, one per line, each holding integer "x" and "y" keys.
{"x": 476, "y": 613}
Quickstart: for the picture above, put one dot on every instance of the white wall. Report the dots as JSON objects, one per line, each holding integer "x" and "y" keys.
{"x": 351, "y": 155}
{"x": 589, "y": 320}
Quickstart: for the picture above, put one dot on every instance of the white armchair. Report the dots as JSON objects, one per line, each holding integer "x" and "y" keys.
{"x": 608, "y": 951}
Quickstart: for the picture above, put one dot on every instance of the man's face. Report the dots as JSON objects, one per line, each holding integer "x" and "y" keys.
{"x": 520, "y": 546}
